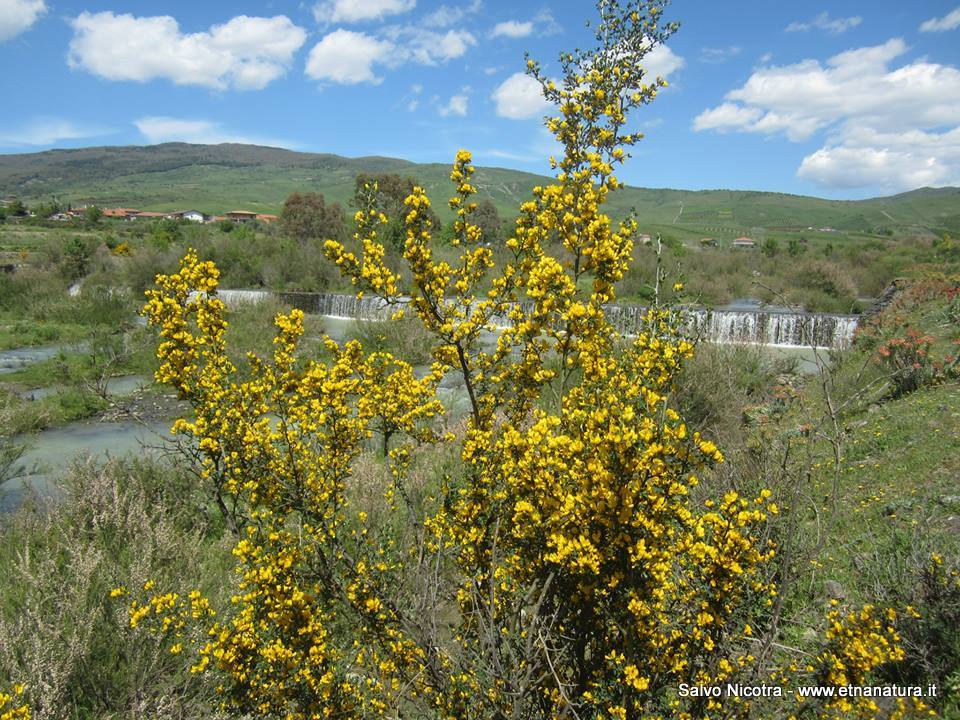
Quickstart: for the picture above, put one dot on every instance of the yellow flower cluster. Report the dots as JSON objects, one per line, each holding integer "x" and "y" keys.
{"x": 858, "y": 642}
{"x": 277, "y": 447}
{"x": 11, "y": 707}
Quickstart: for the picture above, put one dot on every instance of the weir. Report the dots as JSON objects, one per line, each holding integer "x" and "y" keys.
{"x": 760, "y": 326}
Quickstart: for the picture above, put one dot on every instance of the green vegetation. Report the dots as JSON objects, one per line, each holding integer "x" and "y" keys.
{"x": 216, "y": 178}
{"x": 128, "y": 521}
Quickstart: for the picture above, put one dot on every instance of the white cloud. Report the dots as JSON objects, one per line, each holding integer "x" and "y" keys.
{"x": 714, "y": 56}
{"x": 347, "y": 57}
{"x": 427, "y": 47}
{"x": 542, "y": 24}
{"x": 159, "y": 129}
{"x": 48, "y": 131}
{"x": 16, "y": 16}
{"x": 824, "y": 22}
{"x": 883, "y": 125}
{"x": 456, "y": 106}
{"x": 512, "y": 29}
{"x": 950, "y": 21}
{"x": 662, "y": 62}
{"x": 246, "y": 53}
{"x": 334, "y": 11}
{"x": 520, "y": 97}
{"x": 728, "y": 116}
{"x": 447, "y": 15}
{"x": 893, "y": 161}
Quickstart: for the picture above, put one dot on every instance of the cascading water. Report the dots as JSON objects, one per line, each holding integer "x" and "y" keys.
{"x": 777, "y": 328}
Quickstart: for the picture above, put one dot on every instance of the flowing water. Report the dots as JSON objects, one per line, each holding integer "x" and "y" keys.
{"x": 19, "y": 358}
{"x": 739, "y": 323}
{"x": 786, "y": 333}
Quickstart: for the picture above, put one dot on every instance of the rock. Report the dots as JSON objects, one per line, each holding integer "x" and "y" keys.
{"x": 950, "y": 501}
{"x": 835, "y": 589}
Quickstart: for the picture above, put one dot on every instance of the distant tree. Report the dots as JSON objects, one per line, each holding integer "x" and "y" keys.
{"x": 16, "y": 208}
{"x": 92, "y": 215}
{"x": 76, "y": 257}
{"x": 828, "y": 249}
{"x": 770, "y": 247}
{"x": 307, "y": 216}
{"x": 796, "y": 247}
{"x": 46, "y": 209}
{"x": 488, "y": 220}
{"x": 226, "y": 226}
{"x": 391, "y": 192}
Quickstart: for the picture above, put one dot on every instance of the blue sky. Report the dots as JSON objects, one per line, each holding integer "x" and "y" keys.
{"x": 842, "y": 99}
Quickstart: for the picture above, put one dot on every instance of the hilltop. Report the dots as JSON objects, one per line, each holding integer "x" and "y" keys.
{"x": 214, "y": 178}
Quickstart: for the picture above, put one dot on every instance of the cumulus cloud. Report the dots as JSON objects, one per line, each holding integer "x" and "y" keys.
{"x": 17, "y": 16}
{"x": 161, "y": 129}
{"x": 246, "y": 53}
{"x": 950, "y": 21}
{"x": 662, "y": 62}
{"x": 520, "y": 97}
{"x": 44, "y": 131}
{"x": 894, "y": 161}
{"x": 457, "y": 106}
{"x": 882, "y": 123}
{"x": 428, "y": 47}
{"x": 359, "y": 10}
{"x": 348, "y": 57}
{"x": 823, "y": 21}
{"x": 512, "y": 29}
{"x": 543, "y": 23}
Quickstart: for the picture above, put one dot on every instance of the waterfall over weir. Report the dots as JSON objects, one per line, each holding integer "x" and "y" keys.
{"x": 784, "y": 329}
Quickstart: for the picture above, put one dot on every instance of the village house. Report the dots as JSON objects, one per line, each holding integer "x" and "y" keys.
{"x": 744, "y": 242}
{"x": 241, "y": 216}
{"x": 708, "y": 242}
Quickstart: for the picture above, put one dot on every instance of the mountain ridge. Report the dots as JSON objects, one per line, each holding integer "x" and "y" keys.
{"x": 215, "y": 178}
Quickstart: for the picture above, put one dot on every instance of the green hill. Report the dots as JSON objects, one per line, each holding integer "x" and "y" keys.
{"x": 216, "y": 178}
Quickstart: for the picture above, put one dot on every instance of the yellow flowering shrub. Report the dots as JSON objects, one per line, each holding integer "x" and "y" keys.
{"x": 11, "y": 706}
{"x": 566, "y": 569}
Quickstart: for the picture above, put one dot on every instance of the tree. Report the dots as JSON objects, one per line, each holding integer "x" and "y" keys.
{"x": 796, "y": 247}
{"x": 488, "y": 220}
{"x": 307, "y": 216}
{"x": 387, "y": 193}
{"x": 770, "y": 247}
{"x": 77, "y": 253}
{"x": 92, "y": 215}
{"x": 16, "y": 208}
{"x": 563, "y": 568}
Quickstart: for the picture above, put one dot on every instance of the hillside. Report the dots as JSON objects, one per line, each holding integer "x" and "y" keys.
{"x": 215, "y": 178}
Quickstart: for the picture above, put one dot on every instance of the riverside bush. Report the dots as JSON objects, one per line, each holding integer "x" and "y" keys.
{"x": 59, "y": 638}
